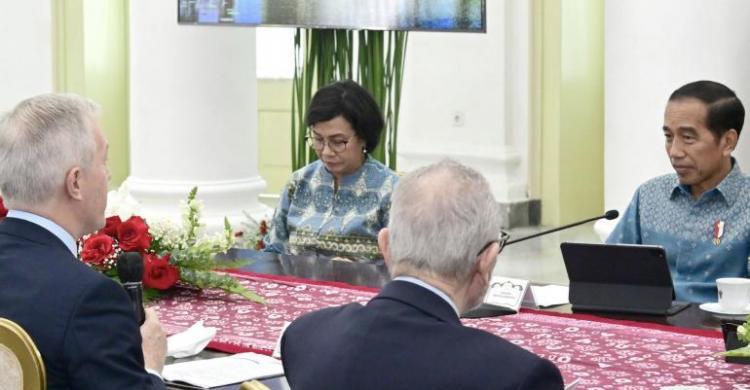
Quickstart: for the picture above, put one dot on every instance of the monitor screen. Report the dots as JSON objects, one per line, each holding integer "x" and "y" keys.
{"x": 419, "y": 15}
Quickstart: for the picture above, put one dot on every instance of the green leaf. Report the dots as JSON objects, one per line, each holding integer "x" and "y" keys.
{"x": 739, "y": 352}
{"x": 210, "y": 279}
{"x": 242, "y": 291}
{"x": 152, "y": 294}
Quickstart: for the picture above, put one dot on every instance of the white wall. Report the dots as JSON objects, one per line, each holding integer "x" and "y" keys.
{"x": 26, "y": 66}
{"x": 651, "y": 49}
{"x": 275, "y": 48}
{"x": 484, "y": 80}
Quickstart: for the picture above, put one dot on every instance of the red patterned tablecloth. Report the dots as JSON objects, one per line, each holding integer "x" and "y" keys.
{"x": 601, "y": 354}
{"x": 244, "y": 326}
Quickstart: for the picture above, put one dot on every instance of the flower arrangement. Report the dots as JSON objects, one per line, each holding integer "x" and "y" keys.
{"x": 743, "y": 336}
{"x": 252, "y": 234}
{"x": 172, "y": 255}
{"x": 3, "y": 210}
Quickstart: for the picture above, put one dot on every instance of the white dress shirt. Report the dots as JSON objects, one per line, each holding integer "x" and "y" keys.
{"x": 49, "y": 225}
{"x": 430, "y": 287}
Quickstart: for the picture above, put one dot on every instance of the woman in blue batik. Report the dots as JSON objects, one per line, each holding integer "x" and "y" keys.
{"x": 336, "y": 205}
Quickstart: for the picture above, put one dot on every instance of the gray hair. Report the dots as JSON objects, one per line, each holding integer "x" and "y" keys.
{"x": 441, "y": 217}
{"x": 40, "y": 140}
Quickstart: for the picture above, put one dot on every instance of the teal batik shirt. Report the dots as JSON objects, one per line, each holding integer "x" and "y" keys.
{"x": 705, "y": 238}
{"x": 313, "y": 217}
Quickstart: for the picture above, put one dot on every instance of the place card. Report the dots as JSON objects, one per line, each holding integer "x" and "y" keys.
{"x": 507, "y": 293}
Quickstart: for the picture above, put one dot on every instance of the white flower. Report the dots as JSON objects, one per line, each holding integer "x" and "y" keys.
{"x": 170, "y": 234}
{"x": 121, "y": 203}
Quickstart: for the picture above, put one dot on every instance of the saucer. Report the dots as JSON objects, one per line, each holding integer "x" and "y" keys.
{"x": 715, "y": 308}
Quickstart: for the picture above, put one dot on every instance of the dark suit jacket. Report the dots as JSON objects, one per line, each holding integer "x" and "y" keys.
{"x": 405, "y": 338}
{"x": 80, "y": 320}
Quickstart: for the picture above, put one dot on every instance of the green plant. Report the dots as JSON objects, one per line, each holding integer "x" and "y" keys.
{"x": 322, "y": 56}
{"x": 743, "y": 336}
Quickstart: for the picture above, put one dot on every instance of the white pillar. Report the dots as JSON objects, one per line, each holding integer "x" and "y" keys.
{"x": 193, "y": 115}
{"x": 652, "y": 48}
{"x": 466, "y": 97}
{"x": 26, "y": 63}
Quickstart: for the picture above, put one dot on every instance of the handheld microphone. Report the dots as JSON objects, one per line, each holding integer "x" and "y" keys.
{"x": 610, "y": 215}
{"x": 130, "y": 271}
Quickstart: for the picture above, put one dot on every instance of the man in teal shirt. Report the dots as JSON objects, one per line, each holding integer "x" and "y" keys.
{"x": 701, "y": 213}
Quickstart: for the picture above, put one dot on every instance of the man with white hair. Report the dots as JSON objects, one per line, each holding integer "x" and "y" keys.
{"x": 440, "y": 246}
{"x": 53, "y": 176}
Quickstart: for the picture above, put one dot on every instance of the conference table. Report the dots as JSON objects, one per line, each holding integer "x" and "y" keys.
{"x": 598, "y": 350}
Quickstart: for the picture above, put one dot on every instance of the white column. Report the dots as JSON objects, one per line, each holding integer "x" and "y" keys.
{"x": 26, "y": 63}
{"x": 517, "y": 97}
{"x": 465, "y": 96}
{"x": 652, "y": 48}
{"x": 193, "y": 115}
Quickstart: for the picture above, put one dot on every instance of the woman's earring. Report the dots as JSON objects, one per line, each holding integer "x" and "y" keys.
{"x": 364, "y": 150}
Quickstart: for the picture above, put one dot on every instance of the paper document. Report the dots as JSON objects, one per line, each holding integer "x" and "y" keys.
{"x": 549, "y": 295}
{"x": 191, "y": 341}
{"x": 224, "y": 370}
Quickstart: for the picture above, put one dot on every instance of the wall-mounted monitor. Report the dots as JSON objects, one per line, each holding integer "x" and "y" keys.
{"x": 420, "y": 15}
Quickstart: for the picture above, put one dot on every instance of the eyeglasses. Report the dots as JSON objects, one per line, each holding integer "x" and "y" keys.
{"x": 500, "y": 241}
{"x": 319, "y": 143}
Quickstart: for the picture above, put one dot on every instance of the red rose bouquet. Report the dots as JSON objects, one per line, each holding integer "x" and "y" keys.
{"x": 102, "y": 248}
{"x": 3, "y": 210}
{"x": 172, "y": 255}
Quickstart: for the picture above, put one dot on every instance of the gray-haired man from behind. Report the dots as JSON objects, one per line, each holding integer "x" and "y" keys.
{"x": 53, "y": 176}
{"x": 440, "y": 246}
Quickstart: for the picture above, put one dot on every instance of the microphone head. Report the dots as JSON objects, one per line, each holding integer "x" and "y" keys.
{"x": 130, "y": 267}
{"x": 611, "y": 214}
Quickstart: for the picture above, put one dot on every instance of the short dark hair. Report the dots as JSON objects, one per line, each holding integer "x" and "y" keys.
{"x": 725, "y": 110}
{"x": 354, "y": 103}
